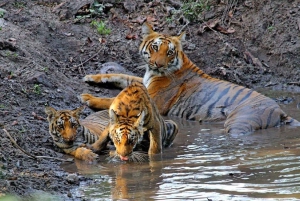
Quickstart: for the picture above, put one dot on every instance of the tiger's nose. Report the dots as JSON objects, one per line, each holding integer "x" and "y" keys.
{"x": 69, "y": 139}
{"x": 159, "y": 65}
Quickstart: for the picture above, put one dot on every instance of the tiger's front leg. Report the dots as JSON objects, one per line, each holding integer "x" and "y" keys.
{"x": 96, "y": 102}
{"x": 101, "y": 143}
{"x": 155, "y": 142}
{"x": 84, "y": 154}
{"x": 119, "y": 80}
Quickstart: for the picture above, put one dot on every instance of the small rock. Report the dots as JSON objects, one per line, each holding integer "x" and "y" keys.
{"x": 72, "y": 178}
{"x": 39, "y": 78}
{"x": 130, "y": 5}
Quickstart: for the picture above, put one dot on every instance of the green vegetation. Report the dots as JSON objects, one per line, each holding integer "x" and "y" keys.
{"x": 1, "y": 14}
{"x": 192, "y": 9}
{"x": 19, "y": 4}
{"x": 270, "y": 28}
{"x": 96, "y": 10}
{"x": 101, "y": 27}
{"x": 22, "y": 130}
{"x": 37, "y": 89}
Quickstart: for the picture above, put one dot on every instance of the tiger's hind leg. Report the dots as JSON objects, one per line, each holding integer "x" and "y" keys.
{"x": 171, "y": 131}
{"x": 96, "y": 102}
{"x": 252, "y": 115}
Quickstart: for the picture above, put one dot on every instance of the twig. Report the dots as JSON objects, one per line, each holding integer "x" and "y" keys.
{"x": 30, "y": 155}
{"x": 183, "y": 27}
{"x": 81, "y": 64}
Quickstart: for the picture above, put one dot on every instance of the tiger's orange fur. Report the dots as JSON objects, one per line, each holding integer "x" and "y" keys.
{"x": 179, "y": 88}
{"x": 64, "y": 126}
{"x": 135, "y": 121}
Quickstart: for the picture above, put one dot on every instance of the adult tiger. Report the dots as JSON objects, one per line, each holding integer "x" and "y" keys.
{"x": 180, "y": 88}
{"x": 64, "y": 126}
{"x": 135, "y": 122}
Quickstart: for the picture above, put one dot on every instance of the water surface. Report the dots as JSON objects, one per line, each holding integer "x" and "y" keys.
{"x": 204, "y": 163}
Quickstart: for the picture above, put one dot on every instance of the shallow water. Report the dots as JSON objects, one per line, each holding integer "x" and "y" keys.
{"x": 203, "y": 163}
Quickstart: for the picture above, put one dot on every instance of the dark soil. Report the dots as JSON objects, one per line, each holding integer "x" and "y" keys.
{"x": 45, "y": 50}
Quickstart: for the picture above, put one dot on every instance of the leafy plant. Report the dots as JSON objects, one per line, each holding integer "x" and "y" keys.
{"x": 270, "y": 28}
{"x": 1, "y": 14}
{"x": 22, "y": 130}
{"x": 192, "y": 9}
{"x": 37, "y": 89}
{"x": 101, "y": 27}
{"x": 19, "y": 5}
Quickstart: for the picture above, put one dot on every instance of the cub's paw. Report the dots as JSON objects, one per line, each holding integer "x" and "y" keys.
{"x": 88, "y": 155}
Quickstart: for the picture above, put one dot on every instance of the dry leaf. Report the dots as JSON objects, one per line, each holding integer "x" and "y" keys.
{"x": 230, "y": 14}
{"x": 151, "y": 19}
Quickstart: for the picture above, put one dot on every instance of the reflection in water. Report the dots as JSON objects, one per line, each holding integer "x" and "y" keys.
{"x": 205, "y": 164}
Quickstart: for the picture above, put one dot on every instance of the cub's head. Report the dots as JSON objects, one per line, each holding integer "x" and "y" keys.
{"x": 161, "y": 52}
{"x": 63, "y": 125}
{"x": 126, "y": 132}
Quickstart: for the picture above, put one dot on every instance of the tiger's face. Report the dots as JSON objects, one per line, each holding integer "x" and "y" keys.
{"x": 63, "y": 125}
{"x": 126, "y": 132}
{"x": 161, "y": 52}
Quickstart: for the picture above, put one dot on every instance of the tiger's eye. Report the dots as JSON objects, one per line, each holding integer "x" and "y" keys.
{"x": 155, "y": 47}
{"x": 170, "y": 52}
{"x": 60, "y": 126}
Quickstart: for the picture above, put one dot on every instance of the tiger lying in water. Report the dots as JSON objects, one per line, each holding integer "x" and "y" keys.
{"x": 135, "y": 121}
{"x": 180, "y": 88}
{"x": 64, "y": 125}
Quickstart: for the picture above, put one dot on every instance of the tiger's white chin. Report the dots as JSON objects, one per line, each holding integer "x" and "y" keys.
{"x": 124, "y": 158}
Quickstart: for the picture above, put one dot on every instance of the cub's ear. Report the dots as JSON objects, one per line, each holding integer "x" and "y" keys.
{"x": 50, "y": 111}
{"x": 147, "y": 29}
{"x": 76, "y": 112}
{"x": 140, "y": 121}
{"x": 113, "y": 117}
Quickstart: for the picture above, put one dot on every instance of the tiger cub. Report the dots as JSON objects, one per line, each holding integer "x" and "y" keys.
{"x": 179, "y": 88}
{"x": 135, "y": 121}
{"x": 64, "y": 126}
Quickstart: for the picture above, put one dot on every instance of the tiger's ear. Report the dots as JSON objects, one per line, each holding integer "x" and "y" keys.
{"x": 113, "y": 117}
{"x": 50, "y": 111}
{"x": 181, "y": 37}
{"x": 76, "y": 112}
{"x": 140, "y": 121}
{"x": 147, "y": 29}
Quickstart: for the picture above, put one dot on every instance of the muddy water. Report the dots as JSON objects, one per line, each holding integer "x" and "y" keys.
{"x": 203, "y": 164}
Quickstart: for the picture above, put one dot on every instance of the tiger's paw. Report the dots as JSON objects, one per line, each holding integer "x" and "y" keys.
{"x": 85, "y": 98}
{"x": 88, "y": 155}
{"x": 88, "y": 78}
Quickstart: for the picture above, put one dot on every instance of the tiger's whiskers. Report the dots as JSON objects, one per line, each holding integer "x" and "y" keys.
{"x": 136, "y": 156}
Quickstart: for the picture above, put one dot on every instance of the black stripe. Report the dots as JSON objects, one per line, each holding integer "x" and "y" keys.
{"x": 270, "y": 117}
{"x": 236, "y": 95}
{"x": 221, "y": 95}
{"x": 246, "y": 96}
